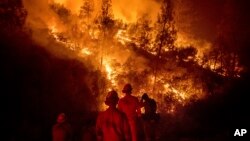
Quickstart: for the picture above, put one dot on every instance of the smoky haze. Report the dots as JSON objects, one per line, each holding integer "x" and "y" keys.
{"x": 197, "y": 22}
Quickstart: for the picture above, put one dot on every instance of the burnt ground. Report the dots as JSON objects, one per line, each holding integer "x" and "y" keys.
{"x": 36, "y": 86}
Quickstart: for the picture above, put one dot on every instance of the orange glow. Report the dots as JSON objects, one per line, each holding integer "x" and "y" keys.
{"x": 59, "y": 1}
{"x": 109, "y": 71}
{"x": 117, "y": 61}
{"x": 122, "y": 37}
{"x": 86, "y": 51}
{"x": 72, "y": 6}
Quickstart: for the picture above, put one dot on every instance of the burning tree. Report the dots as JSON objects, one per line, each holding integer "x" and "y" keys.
{"x": 87, "y": 10}
{"x": 223, "y": 58}
{"x": 93, "y": 48}
{"x": 143, "y": 52}
{"x": 142, "y": 33}
{"x": 105, "y": 19}
{"x": 165, "y": 35}
{"x": 165, "y": 30}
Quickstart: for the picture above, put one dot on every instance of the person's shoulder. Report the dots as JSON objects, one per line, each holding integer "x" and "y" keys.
{"x": 122, "y": 98}
{"x": 119, "y": 112}
{"x": 128, "y": 99}
{"x": 55, "y": 125}
{"x": 135, "y": 98}
{"x": 66, "y": 125}
{"x": 152, "y": 100}
{"x": 101, "y": 114}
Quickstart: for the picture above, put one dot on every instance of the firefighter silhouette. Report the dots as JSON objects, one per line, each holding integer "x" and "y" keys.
{"x": 150, "y": 118}
{"x": 130, "y": 105}
{"x": 112, "y": 124}
{"x": 62, "y": 131}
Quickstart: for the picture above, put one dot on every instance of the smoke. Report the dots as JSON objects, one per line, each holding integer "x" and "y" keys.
{"x": 40, "y": 16}
{"x": 42, "y": 20}
{"x": 197, "y": 22}
{"x": 47, "y": 26}
{"x": 131, "y": 10}
{"x": 67, "y": 34}
{"x": 127, "y": 10}
{"x": 72, "y": 6}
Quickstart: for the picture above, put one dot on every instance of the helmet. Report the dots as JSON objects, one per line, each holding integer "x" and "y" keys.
{"x": 61, "y": 118}
{"x": 112, "y": 98}
{"x": 127, "y": 88}
{"x": 145, "y": 96}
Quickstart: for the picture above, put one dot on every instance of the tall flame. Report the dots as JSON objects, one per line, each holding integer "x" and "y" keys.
{"x": 119, "y": 61}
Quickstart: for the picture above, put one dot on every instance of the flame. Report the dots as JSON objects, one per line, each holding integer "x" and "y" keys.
{"x": 72, "y": 6}
{"x": 111, "y": 73}
{"x": 122, "y": 37}
{"x": 59, "y": 1}
{"x": 85, "y": 41}
{"x": 53, "y": 32}
{"x": 108, "y": 70}
{"x": 85, "y": 51}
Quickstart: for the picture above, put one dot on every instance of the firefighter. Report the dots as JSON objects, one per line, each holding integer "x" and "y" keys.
{"x": 150, "y": 118}
{"x": 62, "y": 131}
{"x": 130, "y": 105}
{"x": 112, "y": 124}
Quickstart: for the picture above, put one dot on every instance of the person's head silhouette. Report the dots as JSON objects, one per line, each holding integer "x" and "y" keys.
{"x": 112, "y": 98}
{"x": 127, "y": 89}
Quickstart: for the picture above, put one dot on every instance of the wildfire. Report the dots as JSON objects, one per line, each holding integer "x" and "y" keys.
{"x": 108, "y": 70}
{"x": 112, "y": 73}
{"x": 73, "y": 6}
{"x": 122, "y": 37}
{"x": 181, "y": 96}
{"x": 172, "y": 84}
{"x": 85, "y": 51}
{"x": 53, "y": 32}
